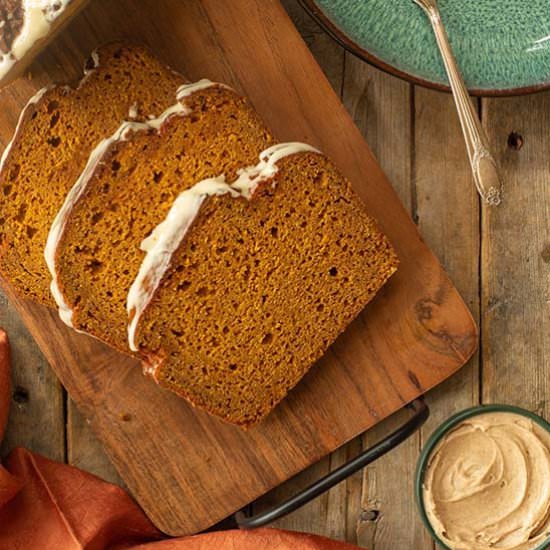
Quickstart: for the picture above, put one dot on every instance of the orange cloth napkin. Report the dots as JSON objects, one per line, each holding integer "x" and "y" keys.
{"x": 45, "y": 505}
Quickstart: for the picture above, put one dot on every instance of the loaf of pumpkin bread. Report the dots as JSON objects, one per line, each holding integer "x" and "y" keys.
{"x": 167, "y": 221}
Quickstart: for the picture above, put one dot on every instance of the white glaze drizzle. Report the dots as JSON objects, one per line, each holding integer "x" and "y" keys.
{"x": 95, "y": 60}
{"x": 133, "y": 111}
{"x": 185, "y": 90}
{"x": 32, "y": 101}
{"x": 165, "y": 239}
{"x": 58, "y": 226}
{"x": 38, "y": 16}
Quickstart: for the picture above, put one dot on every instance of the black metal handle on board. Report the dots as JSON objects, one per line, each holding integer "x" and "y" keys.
{"x": 421, "y": 413}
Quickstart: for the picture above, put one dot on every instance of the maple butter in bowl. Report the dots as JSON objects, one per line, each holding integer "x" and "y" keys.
{"x": 483, "y": 480}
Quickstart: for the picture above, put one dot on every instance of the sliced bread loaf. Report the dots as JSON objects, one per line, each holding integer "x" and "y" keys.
{"x": 228, "y": 262}
{"x": 240, "y": 294}
{"x": 56, "y": 133}
{"x": 127, "y": 188}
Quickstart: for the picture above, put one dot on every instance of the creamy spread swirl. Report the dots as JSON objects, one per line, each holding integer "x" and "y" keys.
{"x": 487, "y": 484}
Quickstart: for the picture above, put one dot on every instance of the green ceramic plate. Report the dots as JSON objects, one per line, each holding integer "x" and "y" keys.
{"x": 502, "y": 46}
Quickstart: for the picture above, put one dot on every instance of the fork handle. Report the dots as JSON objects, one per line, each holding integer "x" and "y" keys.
{"x": 484, "y": 168}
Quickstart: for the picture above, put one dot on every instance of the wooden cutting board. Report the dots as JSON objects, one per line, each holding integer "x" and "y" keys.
{"x": 186, "y": 469}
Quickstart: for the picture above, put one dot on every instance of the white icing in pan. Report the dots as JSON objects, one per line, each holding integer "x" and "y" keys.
{"x": 37, "y": 20}
{"x": 169, "y": 234}
{"x": 62, "y": 217}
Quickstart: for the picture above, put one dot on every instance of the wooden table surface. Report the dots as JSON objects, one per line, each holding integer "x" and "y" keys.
{"x": 498, "y": 258}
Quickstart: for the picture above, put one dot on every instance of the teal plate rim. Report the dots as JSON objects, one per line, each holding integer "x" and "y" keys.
{"x": 351, "y": 46}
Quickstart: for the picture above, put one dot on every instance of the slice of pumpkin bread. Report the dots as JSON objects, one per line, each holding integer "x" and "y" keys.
{"x": 55, "y": 135}
{"x": 126, "y": 189}
{"x": 241, "y": 293}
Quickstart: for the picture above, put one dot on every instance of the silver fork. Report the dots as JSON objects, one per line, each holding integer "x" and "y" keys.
{"x": 484, "y": 168}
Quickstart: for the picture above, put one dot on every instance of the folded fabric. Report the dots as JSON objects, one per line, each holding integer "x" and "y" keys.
{"x": 45, "y": 505}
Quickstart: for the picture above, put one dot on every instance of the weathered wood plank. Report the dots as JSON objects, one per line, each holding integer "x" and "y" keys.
{"x": 447, "y": 212}
{"x": 84, "y": 449}
{"x": 36, "y": 418}
{"x": 326, "y": 51}
{"x": 516, "y": 257}
{"x": 380, "y": 105}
